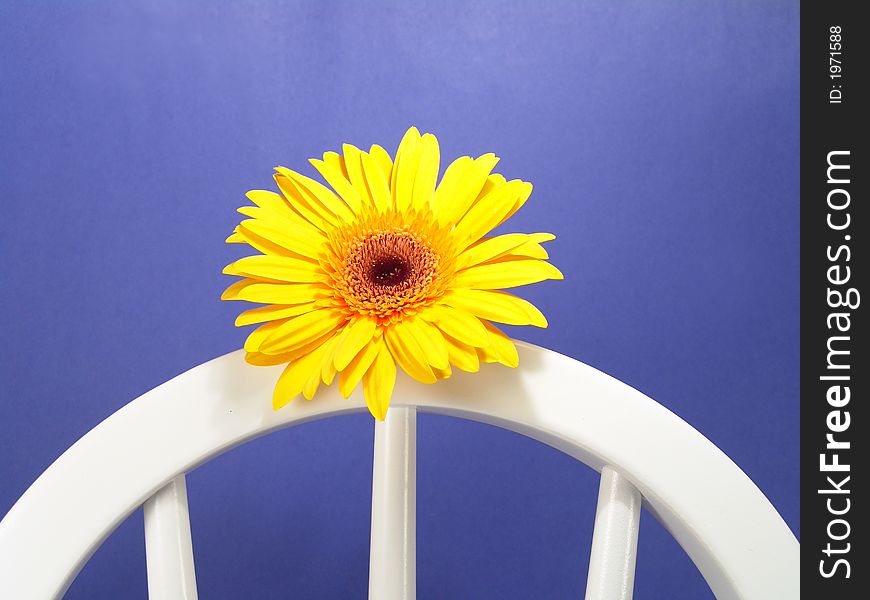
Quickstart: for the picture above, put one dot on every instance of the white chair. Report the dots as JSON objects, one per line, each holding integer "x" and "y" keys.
{"x": 645, "y": 454}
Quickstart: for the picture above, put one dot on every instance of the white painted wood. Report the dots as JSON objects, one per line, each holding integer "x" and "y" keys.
{"x": 168, "y": 547}
{"x": 733, "y": 534}
{"x": 614, "y": 541}
{"x": 393, "y": 561}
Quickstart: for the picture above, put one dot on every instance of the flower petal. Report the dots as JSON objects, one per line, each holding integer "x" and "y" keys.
{"x": 505, "y": 274}
{"x": 377, "y": 183}
{"x": 486, "y": 213}
{"x": 405, "y": 170}
{"x": 273, "y": 312}
{"x": 294, "y": 377}
{"x": 495, "y": 306}
{"x": 312, "y": 211}
{"x": 353, "y": 163}
{"x": 275, "y": 293}
{"x": 277, "y": 268}
{"x": 336, "y": 161}
{"x": 357, "y": 335}
{"x": 235, "y": 237}
{"x": 272, "y": 203}
{"x": 285, "y": 220}
{"x": 378, "y": 383}
{"x": 255, "y": 338}
{"x": 443, "y": 373}
{"x": 353, "y": 373}
{"x": 339, "y": 182}
{"x": 451, "y": 209}
{"x": 501, "y": 348}
{"x": 324, "y": 371}
{"x": 518, "y": 204}
{"x": 327, "y": 364}
{"x": 427, "y": 172}
{"x": 462, "y": 355}
{"x": 317, "y": 193}
{"x": 301, "y": 330}
{"x": 294, "y": 241}
{"x": 266, "y": 360}
{"x": 382, "y": 157}
{"x": 493, "y": 247}
{"x": 528, "y": 250}
{"x": 463, "y": 326}
{"x": 407, "y": 352}
{"x": 430, "y": 340}
{"x": 445, "y": 193}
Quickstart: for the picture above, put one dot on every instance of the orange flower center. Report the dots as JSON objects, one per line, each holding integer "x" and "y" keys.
{"x": 387, "y": 273}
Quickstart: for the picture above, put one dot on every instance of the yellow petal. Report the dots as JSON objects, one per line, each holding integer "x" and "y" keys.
{"x": 255, "y": 338}
{"x": 266, "y": 360}
{"x": 353, "y": 373}
{"x": 313, "y": 212}
{"x": 462, "y": 355}
{"x": 322, "y": 370}
{"x": 301, "y": 330}
{"x": 327, "y": 364}
{"x": 493, "y": 247}
{"x": 355, "y": 174}
{"x": 405, "y": 169}
{"x": 463, "y": 326}
{"x": 357, "y": 335}
{"x": 339, "y": 183}
{"x": 445, "y": 193}
{"x": 443, "y": 373}
{"x": 377, "y": 183}
{"x": 528, "y": 250}
{"x": 486, "y": 213}
{"x": 294, "y": 241}
{"x": 430, "y": 340}
{"x": 518, "y": 204}
{"x": 427, "y": 172}
{"x": 382, "y": 157}
{"x": 450, "y": 210}
{"x": 378, "y": 383}
{"x": 317, "y": 193}
{"x": 500, "y": 349}
{"x": 273, "y": 312}
{"x": 262, "y": 244}
{"x": 294, "y": 377}
{"x": 288, "y": 220}
{"x": 336, "y": 161}
{"x": 272, "y": 202}
{"x": 313, "y": 382}
{"x": 407, "y": 352}
{"x": 495, "y": 306}
{"x": 493, "y": 181}
{"x": 277, "y": 268}
{"x": 275, "y": 293}
{"x": 505, "y": 274}
{"x": 235, "y": 237}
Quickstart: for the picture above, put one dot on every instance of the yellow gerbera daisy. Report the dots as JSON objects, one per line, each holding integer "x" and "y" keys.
{"x": 389, "y": 268}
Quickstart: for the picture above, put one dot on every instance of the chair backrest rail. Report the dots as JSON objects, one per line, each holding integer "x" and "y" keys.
{"x": 713, "y": 510}
{"x": 393, "y": 561}
{"x": 168, "y": 547}
{"x": 614, "y": 540}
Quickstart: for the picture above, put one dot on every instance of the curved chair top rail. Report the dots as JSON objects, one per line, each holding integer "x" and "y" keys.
{"x": 730, "y": 530}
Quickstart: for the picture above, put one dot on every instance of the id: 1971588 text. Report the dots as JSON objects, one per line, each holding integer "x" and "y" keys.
{"x": 835, "y": 64}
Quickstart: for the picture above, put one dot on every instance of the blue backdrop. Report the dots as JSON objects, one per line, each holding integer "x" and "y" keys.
{"x": 662, "y": 139}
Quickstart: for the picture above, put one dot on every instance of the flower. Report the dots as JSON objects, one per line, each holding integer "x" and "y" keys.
{"x": 388, "y": 269}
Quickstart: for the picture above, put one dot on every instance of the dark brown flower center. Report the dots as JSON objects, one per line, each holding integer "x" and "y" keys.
{"x": 389, "y": 270}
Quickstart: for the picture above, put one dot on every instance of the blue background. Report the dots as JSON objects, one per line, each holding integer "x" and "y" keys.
{"x": 662, "y": 139}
